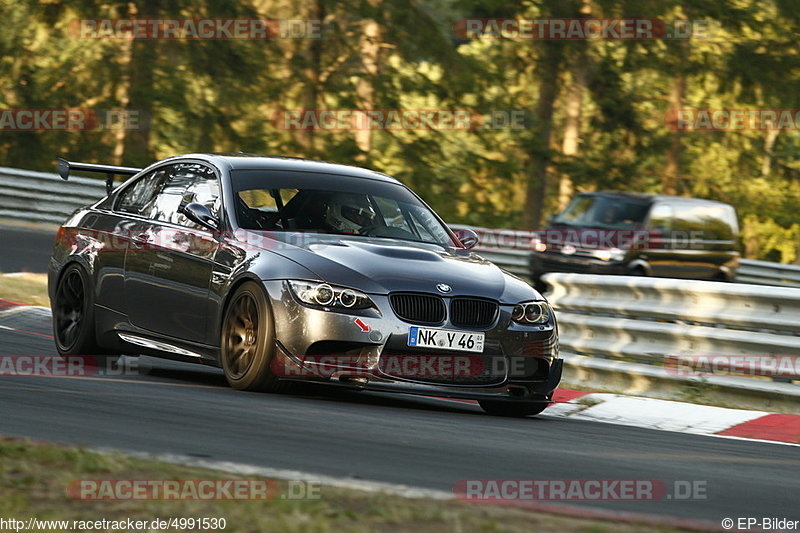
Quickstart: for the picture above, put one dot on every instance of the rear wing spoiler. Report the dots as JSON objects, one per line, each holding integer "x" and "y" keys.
{"x": 64, "y": 167}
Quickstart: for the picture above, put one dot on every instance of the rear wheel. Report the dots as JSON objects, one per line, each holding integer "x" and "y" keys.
{"x": 73, "y": 313}
{"x": 512, "y": 408}
{"x": 248, "y": 341}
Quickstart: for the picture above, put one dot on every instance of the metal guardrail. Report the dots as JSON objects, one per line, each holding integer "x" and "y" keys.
{"x": 730, "y": 306}
{"x": 767, "y": 273}
{"x": 646, "y": 319}
{"x": 43, "y": 197}
{"x": 657, "y": 330}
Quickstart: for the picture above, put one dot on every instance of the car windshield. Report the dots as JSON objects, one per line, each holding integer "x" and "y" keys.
{"x": 603, "y": 211}
{"x": 330, "y": 204}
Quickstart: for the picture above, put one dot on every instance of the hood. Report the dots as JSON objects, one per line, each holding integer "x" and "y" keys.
{"x": 380, "y": 266}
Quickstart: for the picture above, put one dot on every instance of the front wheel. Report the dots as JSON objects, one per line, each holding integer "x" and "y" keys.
{"x": 639, "y": 271}
{"x": 247, "y": 345}
{"x": 512, "y": 408}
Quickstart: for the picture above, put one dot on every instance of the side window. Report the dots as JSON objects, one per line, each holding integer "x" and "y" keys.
{"x": 660, "y": 217}
{"x": 186, "y": 183}
{"x": 138, "y": 197}
{"x": 716, "y": 223}
{"x": 288, "y": 194}
{"x": 259, "y": 199}
{"x": 703, "y": 221}
{"x": 731, "y": 221}
{"x": 263, "y": 200}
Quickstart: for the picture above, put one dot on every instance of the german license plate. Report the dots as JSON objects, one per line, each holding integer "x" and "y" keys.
{"x": 446, "y": 339}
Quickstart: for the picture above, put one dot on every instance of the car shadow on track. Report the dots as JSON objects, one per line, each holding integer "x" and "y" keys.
{"x": 174, "y": 371}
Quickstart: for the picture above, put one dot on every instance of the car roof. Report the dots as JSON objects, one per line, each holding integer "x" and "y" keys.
{"x": 243, "y": 161}
{"x": 652, "y": 197}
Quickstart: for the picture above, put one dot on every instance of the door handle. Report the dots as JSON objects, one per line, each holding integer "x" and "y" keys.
{"x": 140, "y": 240}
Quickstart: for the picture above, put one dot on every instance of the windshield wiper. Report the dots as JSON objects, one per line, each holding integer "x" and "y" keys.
{"x": 406, "y": 240}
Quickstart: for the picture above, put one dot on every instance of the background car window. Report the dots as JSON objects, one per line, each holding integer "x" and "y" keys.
{"x": 576, "y": 209}
{"x": 604, "y": 211}
{"x": 186, "y": 183}
{"x": 660, "y": 217}
{"x": 706, "y": 221}
{"x": 138, "y": 197}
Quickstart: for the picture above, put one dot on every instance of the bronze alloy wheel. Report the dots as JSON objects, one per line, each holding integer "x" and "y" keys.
{"x": 248, "y": 340}
{"x": 241, "y": 335}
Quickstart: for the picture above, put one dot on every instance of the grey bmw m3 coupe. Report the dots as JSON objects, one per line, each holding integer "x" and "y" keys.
{"x": 282, "y": 269}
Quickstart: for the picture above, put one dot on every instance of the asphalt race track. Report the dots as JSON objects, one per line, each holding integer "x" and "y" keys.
{"x": 187, "y": 409}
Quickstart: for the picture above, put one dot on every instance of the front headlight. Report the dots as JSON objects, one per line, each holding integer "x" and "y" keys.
{"x": 537, "y": 244}
{"x": 614, "y": 254}
{"x": 531, "y": 313}
{"x": 319, "y": 294}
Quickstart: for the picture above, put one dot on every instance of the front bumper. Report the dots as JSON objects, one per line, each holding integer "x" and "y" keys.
{"x": 543, "y": 262}
{"x": 365, "y": 350}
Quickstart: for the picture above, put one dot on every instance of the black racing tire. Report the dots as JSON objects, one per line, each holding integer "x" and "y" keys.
{"x": 639, "y": 271}
{"x": 73, "y": 313}
{"x": 721, "y": 277}
{"x": 512, "y": 408}
{"x": 247, "y": 341}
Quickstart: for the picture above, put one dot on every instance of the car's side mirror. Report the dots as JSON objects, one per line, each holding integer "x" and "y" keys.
{"x": 467, "y": 237}
{"x": 200, "y": 214}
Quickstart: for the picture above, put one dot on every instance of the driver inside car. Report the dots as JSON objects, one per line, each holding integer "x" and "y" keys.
{"x": 350, "y": 213}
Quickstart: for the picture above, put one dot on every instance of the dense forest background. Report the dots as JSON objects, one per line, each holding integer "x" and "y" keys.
{"x": 596, "y": 112}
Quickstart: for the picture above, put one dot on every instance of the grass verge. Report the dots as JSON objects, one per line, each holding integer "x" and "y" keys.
{"x": 25, "y": 288}
{"x": 34, "y": 477}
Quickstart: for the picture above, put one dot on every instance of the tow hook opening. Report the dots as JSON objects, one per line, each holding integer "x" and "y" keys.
{"x": 517, "y": 391}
